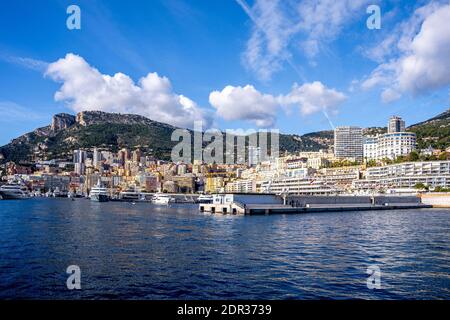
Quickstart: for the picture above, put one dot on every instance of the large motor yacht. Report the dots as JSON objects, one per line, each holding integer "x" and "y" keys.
{"x": 99, "y": 193}
{"x": 14, "y": 190}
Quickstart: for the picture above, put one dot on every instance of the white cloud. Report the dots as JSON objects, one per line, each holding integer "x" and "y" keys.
{"x": 85, "y": 88}
{"x": 314, "y": 97}
{"x": 389, "y": 95}
{"x": 247, "y": 103}
{"x": 29, "y": 63}
{"x": 323, "y": 20}
{"x": 307, "y": 25}
{"x": 266, "y": 48}
{"x": 421, "y": 61}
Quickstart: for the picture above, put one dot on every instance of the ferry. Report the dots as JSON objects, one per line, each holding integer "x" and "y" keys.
{"x": 14, "y": 190}
{"x": 99, "y": 193}
{"x": 161, "y": 198}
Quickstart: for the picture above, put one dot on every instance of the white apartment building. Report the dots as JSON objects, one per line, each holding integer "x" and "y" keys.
{"x": 406, "y": 175}
{"x": 296, "y": 163}
{"x": 370, "y": 147}
{"x": 317, "y": 163}
{"x": 390, "y": 145}
{"x": 241, "y": 186}
{"x": 341, "y": 176}
{"x": 300, "y": 186}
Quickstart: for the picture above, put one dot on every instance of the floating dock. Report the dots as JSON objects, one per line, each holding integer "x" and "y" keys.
{"x": 264, "y": 204}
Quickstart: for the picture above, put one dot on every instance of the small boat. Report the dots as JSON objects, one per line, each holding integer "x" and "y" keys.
{"x": 14, "y": 190}
{"x": 56, "y": 193}
{"x": 99, "y": 193}
{"x": 161, "y": 198}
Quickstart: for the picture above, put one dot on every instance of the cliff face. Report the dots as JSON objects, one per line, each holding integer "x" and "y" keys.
{"x": 89, "y": 129}
{"x": 87, "y": 118}
{"x": 62, "y": 121}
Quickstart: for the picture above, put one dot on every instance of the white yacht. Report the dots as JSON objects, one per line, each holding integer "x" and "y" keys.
{"x": 161, "y": 198}
{"x": 14, "y": 190}
{"x": 99, "y": 193}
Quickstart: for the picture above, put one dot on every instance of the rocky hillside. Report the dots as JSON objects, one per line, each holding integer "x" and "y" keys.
{"x": 113, "y": 131}
{"x": 91, "y": 129}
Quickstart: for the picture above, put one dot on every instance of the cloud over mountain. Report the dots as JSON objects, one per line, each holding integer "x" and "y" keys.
{"x": 247, "y": 103}
{"x": 86, "y": 88}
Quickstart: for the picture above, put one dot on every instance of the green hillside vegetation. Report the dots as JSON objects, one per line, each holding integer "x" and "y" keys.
{"x": 434, "y": 132}
{"x": 114, "y": 131}
{"x": 153, "y": 138}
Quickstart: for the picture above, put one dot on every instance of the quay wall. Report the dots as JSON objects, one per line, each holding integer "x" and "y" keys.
{"x": 438, "y": 200}
{"x": 396, "y": 199}
{"x": 303, "y": 200}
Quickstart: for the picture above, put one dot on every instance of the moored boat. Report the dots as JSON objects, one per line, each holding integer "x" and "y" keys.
{"x": 14, "y": 190}
{"x": 161, "y": 198}
{"x": 99, "y": 193}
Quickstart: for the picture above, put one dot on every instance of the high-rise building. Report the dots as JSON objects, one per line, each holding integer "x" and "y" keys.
{"x": 396, "y": 124}
{"x": 96, "y": 158}
{"x": 122, "y": 156}
{"x": 79, "y": 156}
{"x": 136, "y": 155}
{"x": 348, "y": 142}
{"x": 254, "y": 155}
{"x": 80, "y": 168}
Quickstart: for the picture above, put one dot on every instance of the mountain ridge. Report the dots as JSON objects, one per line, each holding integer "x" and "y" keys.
{"x": 89, "y": 129}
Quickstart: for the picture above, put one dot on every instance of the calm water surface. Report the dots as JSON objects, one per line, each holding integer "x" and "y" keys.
{"x": 144, "y": 251}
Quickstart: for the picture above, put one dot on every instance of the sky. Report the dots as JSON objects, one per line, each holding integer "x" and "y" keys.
{"x": 294, "y": 65}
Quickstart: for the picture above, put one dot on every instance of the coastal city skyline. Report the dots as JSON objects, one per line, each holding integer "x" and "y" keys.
{"x": 225, "y": 154}
{"x": 268, "y": 75}
{"x": 352, "y": 164}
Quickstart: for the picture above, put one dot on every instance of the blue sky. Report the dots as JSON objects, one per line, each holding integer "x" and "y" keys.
{"x": 234, "y": 64}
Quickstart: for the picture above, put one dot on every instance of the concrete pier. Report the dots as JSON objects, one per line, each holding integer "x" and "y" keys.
{"x": 251, "y": 205}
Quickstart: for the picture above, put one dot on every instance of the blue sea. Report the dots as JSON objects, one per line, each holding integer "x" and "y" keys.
{"x": 145, "y": 251}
